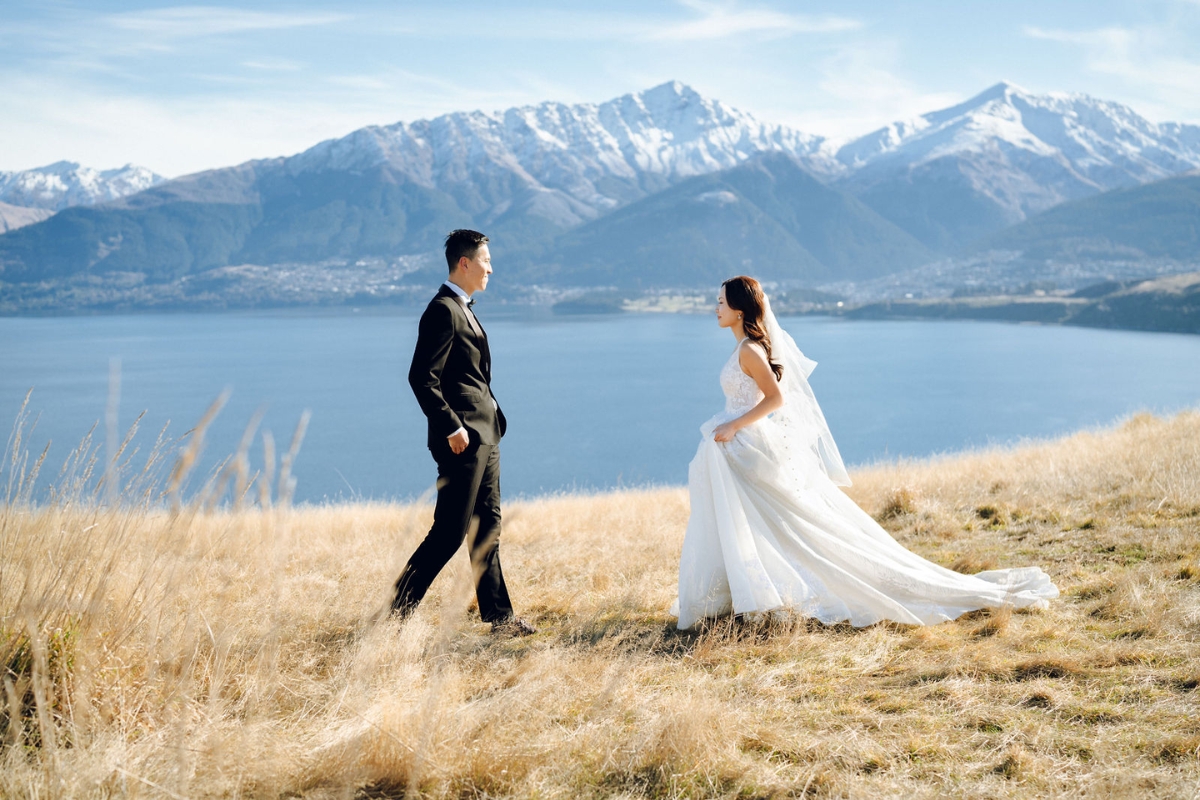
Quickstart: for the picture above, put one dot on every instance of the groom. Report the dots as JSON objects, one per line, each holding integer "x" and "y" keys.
{"x": 451, "y": 376}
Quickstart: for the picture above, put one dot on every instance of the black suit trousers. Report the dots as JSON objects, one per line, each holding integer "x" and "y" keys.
{"x": 468, "y": 508}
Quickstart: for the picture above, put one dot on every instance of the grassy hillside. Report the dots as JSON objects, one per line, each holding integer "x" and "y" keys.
{"x": 166, "y": 233}
{"x": 243, "y": 653}
{"x": 937, "y": 202}
{"x": 767, "y": 217}
{"x": 1157, "y": 220}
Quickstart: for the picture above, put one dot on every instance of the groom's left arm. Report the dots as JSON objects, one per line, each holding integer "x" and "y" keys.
{"x": 435, "y": 334}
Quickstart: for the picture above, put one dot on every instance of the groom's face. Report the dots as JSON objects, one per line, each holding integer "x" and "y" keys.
{"x": 472, "y": 273}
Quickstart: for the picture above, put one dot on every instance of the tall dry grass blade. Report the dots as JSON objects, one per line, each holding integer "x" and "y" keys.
{"x": 20, "y": 470}
{"x": 187, "y": 459}
{"x": 25, "y": 497}
{"x": 241, "y": 459}
{"x": 43, "y": 687}
{"x": 144, "y": 487}
{"x": 13, "y": 448}
{"x": 114, "y": 470}
{"x": 74, "y": 474}
{"x": 111, "y": 409}
{"x": 214, "y": 485}
{"x": 287, "y": 484}
{"x": 21, "y": 484}
{"x": 15, "y": 725}
{"x": 267, "y": 477}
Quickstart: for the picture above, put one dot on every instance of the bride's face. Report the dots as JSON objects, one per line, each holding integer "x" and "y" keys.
{"x": 726, "y": 316}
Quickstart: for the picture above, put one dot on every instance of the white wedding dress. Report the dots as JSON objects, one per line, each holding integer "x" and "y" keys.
{"x": 770, "y": 529}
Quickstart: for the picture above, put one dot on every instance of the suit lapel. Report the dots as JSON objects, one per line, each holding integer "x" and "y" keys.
{"x": 481, "y": 339}
{"x": 462, "y": 309}
{"x": 485, "y": 351}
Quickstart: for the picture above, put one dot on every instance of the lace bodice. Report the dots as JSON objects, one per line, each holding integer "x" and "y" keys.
{"x": 741, "y": 392}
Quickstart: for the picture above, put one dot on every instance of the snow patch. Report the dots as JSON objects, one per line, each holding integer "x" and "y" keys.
{"x": 721, "y": 198}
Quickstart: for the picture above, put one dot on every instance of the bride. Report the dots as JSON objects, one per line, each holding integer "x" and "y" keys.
{"x": 769, "y": 527}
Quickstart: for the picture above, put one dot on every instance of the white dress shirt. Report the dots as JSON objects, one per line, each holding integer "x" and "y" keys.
{"x": 458, "y": 290}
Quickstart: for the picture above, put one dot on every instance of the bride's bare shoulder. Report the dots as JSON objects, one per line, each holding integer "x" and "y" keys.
{"x": 752, "y": 348}
{"x": 751, "y": 352}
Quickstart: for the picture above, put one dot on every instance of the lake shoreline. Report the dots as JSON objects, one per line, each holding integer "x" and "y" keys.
{"x": 1156, "y": 316}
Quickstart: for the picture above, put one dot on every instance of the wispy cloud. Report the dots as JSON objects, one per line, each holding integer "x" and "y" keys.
{"x": 369, "y": 82}
{"x": 1110, "y": 39}
{"x": 722, "y": 20}
{"x": 185, "y": 22}
{"x": 273, "y": 64}
{"x": 426, "y": 95}
{"x": 683, "y": 21}
{"x": 50, "y": 118}
{"x": 1147, "y": 58}
{"x": 861, "y": 87}
{"x": 53, "y": 120}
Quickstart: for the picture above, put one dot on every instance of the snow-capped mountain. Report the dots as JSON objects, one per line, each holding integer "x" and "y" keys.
{"x": 1007, "y": 154}
{"x": 947, "y": 177}
{"x": 1105, "y": 142}
{"x": 569, "y": 163}
{"x": 528, "y": 175}
{"x": 66, "y": 183}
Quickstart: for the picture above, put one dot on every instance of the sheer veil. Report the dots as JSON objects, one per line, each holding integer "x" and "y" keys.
{"x": 804, "y": 432}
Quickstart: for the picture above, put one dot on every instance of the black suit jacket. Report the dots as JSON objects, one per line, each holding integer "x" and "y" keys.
{"x": 451, "y": 374}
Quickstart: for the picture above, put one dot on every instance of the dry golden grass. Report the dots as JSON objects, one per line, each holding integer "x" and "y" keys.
{"x": 244, "y": 653}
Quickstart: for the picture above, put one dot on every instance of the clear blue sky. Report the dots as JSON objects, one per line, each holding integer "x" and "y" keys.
{"x": 180, "y": 88}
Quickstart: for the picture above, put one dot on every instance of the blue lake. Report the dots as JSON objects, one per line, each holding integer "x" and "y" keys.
{"x": 592, "y": 402}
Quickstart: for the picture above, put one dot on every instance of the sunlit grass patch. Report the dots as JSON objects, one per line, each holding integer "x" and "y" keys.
{"x": 214, "y": 650}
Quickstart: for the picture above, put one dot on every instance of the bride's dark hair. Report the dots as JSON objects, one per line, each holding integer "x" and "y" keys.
{"x": 745, "y": 294}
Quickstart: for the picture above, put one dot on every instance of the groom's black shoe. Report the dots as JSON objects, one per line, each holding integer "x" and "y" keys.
{"x": 513, "y": 626}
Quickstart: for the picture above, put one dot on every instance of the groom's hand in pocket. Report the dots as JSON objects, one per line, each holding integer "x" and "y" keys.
{"x": 458, "y": 441}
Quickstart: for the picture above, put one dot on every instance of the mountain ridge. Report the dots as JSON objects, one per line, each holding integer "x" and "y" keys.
{"x": 534, "y": 177}
{"x": 1153, "y": 220}
{"x": 1004, "y": 155}
{"x": 64, "y": 184}
{"x": 767, "y": 216}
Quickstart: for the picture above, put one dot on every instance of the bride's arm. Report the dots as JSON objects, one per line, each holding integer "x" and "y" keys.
{"x": 753, "y": 361}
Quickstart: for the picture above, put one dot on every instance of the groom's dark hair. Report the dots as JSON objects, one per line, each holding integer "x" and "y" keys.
{"x": 462, "y": 242}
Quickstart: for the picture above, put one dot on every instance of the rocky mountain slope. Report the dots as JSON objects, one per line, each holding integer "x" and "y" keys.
{"x": 767, "y": 217}
{"x": 951, "y": 176}
{"x": 13, "y": 217}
